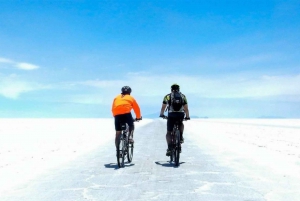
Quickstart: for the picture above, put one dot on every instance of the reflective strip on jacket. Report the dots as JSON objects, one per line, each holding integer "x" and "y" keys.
{"x": 123, "y": 104}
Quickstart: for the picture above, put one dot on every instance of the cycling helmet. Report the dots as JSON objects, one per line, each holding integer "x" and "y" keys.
{"x": 126, "y": 90}
{"x": 175, "y": 87}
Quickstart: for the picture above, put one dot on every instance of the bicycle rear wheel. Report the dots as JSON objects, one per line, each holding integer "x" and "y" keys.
{"x": 177, "y": 147}
{"x": 121, "y": 152}
{"x": 172, "y": 154}
{"x": 130, "y": 152}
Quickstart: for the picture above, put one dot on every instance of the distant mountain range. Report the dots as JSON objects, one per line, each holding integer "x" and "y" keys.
{"x": 156, "y": 115}
{"x": 271, "y": 117}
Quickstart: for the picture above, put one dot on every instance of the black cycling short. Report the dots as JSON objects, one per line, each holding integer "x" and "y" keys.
{"x": 172, "y": 117}
{"x": 124, "y": 118}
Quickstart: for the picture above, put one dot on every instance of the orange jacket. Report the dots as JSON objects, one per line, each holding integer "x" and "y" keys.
{"x": 123, "y": 104}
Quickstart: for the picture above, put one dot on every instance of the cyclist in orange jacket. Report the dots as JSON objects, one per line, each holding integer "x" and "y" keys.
{"x": 121, "y": 110}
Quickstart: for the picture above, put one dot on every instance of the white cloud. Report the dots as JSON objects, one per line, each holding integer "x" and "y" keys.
{"x": 4, "y": 60}
{"x": 150, "y": 88}
{"x": 14, "y": 89}
{"x": 12, "y": 86}
{"x": 19, "y": 65}
{"x": 257, "y": 87}
{"x": 227, "y": 86}
{"x": 26, "y": 66}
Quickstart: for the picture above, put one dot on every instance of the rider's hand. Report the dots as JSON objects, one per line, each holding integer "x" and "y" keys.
{"x": 138, "y": 119}
{"x": 162, "y": 116}
{"x": 187, "y": 118}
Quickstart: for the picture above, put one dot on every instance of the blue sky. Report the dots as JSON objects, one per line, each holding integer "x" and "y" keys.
{"x": 232, "y": 59}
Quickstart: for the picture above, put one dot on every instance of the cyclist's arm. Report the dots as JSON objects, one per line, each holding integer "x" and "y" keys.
{"x": 186, "y": 110}
{"x": 136, "y": 109}
{"x": 112, "y": 107}
{"x": 163, "y": 107}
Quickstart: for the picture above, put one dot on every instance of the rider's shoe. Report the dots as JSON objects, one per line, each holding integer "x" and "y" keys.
{"x": 168, "y": 152}
{"x": 182, "y": 140}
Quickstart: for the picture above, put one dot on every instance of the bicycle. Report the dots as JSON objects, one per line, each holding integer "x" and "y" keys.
{"x": 125, "y": 148}
{"x": 175, "y": 142}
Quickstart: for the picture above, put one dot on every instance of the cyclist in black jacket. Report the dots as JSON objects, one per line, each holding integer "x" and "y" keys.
{"x": 174, "y": 112}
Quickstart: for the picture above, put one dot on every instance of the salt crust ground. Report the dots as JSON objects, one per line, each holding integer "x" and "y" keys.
{"x": 30, "y": 147}
{"x": 265, "y": 150}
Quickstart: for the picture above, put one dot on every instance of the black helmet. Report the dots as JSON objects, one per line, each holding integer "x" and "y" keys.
{"x": 175, "y": 87}
{"x": 126, "y": 90}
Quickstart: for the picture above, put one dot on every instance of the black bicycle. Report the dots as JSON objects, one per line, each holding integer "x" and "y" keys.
{"x": 175, "y": 142}
{"x": 125, "y": 147}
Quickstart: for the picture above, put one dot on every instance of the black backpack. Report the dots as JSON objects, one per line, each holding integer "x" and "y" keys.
{"x": 176, "y": 101}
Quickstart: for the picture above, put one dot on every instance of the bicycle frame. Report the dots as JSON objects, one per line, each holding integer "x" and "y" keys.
{"x": 175, "y": 142}
{"x": 124, "y": 147}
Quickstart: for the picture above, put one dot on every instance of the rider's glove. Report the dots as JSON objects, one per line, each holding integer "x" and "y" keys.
{"x": 162, "y": 116}
{"x": 187, "y": 118}
{"x": 138, "y": 119}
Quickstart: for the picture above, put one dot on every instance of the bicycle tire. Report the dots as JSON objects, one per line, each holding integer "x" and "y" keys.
{"x": 130, "y": 152}
{"x": 173, "y": 142}
{"x": 172, "y": 155}
{"x": 177, "y": 148}
{"x": 121, "y": 152}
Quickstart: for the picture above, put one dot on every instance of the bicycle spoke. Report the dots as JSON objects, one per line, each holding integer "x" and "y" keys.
{"x": 177, "y": 147}
{"x": 120, "y": 152}
{"x": 130, "y": 152}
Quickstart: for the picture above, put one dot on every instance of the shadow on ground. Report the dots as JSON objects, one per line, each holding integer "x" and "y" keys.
{"x": 115, "y": 165}
{"x": 168, "y": 164}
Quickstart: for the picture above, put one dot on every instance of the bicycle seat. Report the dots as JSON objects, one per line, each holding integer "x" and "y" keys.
{"x": 124, "y": 126}
{"x": 178, "y": 122}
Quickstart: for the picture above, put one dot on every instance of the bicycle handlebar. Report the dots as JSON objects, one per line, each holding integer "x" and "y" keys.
{"x": 138, "y": 119}
{"x": 166, "y": 117}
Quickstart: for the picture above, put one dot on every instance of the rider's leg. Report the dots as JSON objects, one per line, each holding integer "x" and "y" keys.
{"x": 181, "y": 128}
{"x": 117, "y": 138}
{"x": 131, "y": 127}
{"x": 181, "y": 132}
{"x": 131, "y": 136}
{"x": 168, "y": 139}
{"x": 170, "y": 124}
{"x": 118, "y": 129}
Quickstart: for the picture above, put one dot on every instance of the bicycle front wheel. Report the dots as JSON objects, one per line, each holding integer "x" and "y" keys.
{"x": 121, "y": 152}
{"x": 130, "y": 152}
